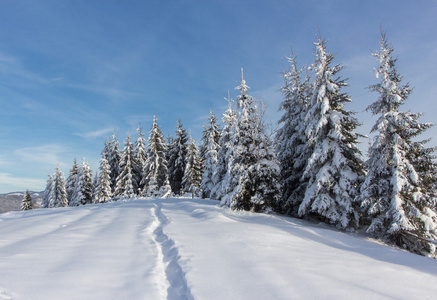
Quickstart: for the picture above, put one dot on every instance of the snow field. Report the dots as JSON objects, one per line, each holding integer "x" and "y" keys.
{"x": 193, "y": 249}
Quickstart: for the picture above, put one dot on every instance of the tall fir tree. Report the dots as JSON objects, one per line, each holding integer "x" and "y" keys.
{"x": 177, "y": 159}
{"x": 58, "y": 195}
{"x": 254, "y": 172}
{"x": 211, "y": 147}
{"x": 140, "y": 157}
{"x": 113, "y": 156}
{"x": 127, "y": 181}
{"x": 394, "y": 197}
{"x": 84, "y": 186}
{"x": 292, "y": 151}
{"x": 335, "y": 169}
{"x": 103, "y": 190}
{"x": 221, "y": 173}
{"x": 193, "y": 170}
{"x": 26, "y": 203}
{"x": 156, "y": 181}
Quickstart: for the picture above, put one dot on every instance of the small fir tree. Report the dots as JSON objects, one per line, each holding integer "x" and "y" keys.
{"x": 84, "y": 186}
{"x": 193, "y": 170}
{"x": 156, "y": 181}
{"x": 47, "y": 190}
{"x": 58, "y": 194}
{"x": 70, "y": 184}
{"x": 177, "y": 159}
{"x": 26, "y": 203}
{"x": 127, "y": 180}
{"x": 103, "y": 191}
{"x": 211, "y": 148}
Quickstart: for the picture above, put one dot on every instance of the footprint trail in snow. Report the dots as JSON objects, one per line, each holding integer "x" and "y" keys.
{"x": 168, "y": 261}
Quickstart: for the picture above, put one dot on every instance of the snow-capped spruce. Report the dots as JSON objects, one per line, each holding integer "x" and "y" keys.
{"x": 70, "y": 184}
{"x": 84, "y": 186}
{"x": 58, "y": 195}
{"x": 140, "y": 156}
{"x": 224, "y": 155}
{"x": 292, "y": 151}
{"x": 254, "y": 172}
{"x": 177, "y": 158}
{"x": 394, "y": 197}
{"x": 103, "y": 190}
{"x": 26, "y": 203}
{"x": 47, "y": 191}
{"x": 211, "y": 147}
{"x": 113, "y": 156}
{"x": 127, "y": 181}
{"x": 335, "y": 168}
{"x": 193, "y": 170}
{"x": 155, "y": 170}
{"x": 423, "y": 160}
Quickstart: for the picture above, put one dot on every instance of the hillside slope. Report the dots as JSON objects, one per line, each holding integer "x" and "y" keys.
{"x": 193, "y": 249}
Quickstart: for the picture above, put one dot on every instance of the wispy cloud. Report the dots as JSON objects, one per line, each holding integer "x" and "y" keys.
{"x": 12, "y": 68}
{"x": 46, "y": 154}
{"x": 6, "y": 59}
{"x": 95, "y": 133}
{"x": 10, "y": 182}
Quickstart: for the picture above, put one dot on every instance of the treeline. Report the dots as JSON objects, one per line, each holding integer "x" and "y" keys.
{"x": 312, "y": 169}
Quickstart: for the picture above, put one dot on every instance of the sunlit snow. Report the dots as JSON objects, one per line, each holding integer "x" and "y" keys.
{"x": 193, "y": 249}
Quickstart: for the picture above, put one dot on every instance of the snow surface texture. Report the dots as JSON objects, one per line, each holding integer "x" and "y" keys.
{"x": 193, "y": 249}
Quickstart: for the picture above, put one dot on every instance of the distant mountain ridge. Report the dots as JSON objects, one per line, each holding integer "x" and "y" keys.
{"x": 12, "y": 201}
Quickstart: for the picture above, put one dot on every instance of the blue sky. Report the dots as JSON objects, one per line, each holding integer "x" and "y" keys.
{"x": 71, "y": 72}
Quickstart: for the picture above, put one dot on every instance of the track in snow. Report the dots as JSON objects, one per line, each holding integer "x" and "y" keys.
{"x": 174, "y": 275}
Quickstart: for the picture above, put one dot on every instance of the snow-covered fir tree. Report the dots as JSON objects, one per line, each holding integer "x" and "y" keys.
{"x": 70, "y": 184}
{"x": 222, "y": 174}
{"x": 211, "y": 137}
{"x": 47, "y": 191}
{"x": 156, "y": 181}
{"x": 292, "y": 151}
{"x": 84, "y": 186}
{"x": 26, "y": 203}
{"x": 140, "y": 157}
{"x": 254, "y": 172}
{"x": 95, "y": 185}
{"x": 58, "y": 194}
{"x": 193, "y": 170}
{"x": 335, "y": 169}
{"x": 394, "y": 197}
{"x": 113, "y": 156}
{"x": 127, "y": 181}
{"x": 423, "y": 160}
{"x": 177, "y": 158}
{"x": 103, "y": 191}
{"x": 202, "y": 146}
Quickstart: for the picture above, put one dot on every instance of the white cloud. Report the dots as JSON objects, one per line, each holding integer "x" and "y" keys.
{"x": 95, "y": 133}
{"x": 10, "y": 183}
{"x": 46, "y": 154}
